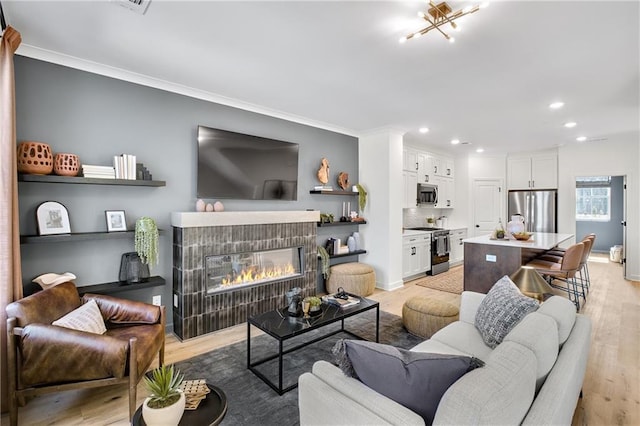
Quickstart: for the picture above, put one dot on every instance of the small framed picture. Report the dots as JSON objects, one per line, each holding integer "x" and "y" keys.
{"x": 116, "y": 220}
{"x": 53, "y": 218}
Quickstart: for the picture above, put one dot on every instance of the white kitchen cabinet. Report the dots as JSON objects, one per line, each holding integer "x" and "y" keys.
{"x": 442, "y": 166}
{"x": 416, "y": 255}
{"x": 446, "y": 192}
{"x": 410, "y": 159}
{"x": 448, "y": 167}
{"x": 410, "y": 185}
{"x": 532, "y": 172}
{"x": 456, "y": 256}
{"x": 425, "y": 167}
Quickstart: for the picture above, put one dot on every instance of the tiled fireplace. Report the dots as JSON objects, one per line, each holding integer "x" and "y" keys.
{"x": 228, "y": 265}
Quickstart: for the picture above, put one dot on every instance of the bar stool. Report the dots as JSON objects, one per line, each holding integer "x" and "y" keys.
{"x": 555, "y": 255}
{"x": 565, "y": 271}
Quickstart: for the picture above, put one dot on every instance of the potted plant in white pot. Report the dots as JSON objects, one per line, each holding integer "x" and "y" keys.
{"x": 166, "y": 403}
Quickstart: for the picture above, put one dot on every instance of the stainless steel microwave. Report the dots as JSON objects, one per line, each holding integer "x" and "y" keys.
{"x": 427, "y": 194}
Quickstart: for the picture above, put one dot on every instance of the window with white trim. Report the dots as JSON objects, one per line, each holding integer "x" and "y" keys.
{"x": 593, "y": 199}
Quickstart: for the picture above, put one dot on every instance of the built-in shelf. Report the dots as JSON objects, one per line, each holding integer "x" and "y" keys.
{"x": 323, "y": 224}
{"x": 333, "y": 192}
{"x": 78, "y": 236}
{"x": 118, "y": 286}
{"x": 87, "y": 181}
{"x": 352, "y": 253}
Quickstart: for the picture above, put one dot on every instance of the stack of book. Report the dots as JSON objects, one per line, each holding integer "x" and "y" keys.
{"x": 98, "y": 172}
{"x": 125, "y": 166}
{"x": 323, "y": 188}
{"x": 343, "y": 303}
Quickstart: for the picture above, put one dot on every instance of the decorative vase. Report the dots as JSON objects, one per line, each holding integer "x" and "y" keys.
{"x": 167, "y": 416}
{"x": 200, "y": 206}
{"x": 66, "y": 164}
{"x": 356, "y": 236}
{"x": 209, "y": 207}
{"x": 35, "y": 158}
{"x": 351, "y": 243}
{"x": 218, "y": 206}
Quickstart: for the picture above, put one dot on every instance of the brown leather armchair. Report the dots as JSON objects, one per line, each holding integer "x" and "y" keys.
{"x": 44, "y": 358}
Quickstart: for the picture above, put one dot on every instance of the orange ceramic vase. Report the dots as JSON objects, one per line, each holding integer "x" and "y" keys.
{"x": 35, "y": 158}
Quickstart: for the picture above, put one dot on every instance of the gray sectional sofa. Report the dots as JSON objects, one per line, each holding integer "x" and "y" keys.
{"x": 534, "y": 377}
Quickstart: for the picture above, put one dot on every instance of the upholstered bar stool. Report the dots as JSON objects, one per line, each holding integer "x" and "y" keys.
{"x": 556, "y": 255}
{"x": 564, "y": 271}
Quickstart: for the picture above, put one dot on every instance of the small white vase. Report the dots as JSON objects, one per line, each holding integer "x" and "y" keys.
{"x": 351, "y": 243}
{"x": 356, "y": 236}
{"x": 200, "y": 205}
{"x": 167, "y": 416}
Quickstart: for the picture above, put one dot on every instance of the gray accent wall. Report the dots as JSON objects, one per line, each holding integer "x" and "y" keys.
{"x": 97, "y": 117}
{"x": 608, "y": 234}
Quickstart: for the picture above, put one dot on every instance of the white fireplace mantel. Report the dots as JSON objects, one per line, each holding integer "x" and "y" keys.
{"x": 197, "y": 219}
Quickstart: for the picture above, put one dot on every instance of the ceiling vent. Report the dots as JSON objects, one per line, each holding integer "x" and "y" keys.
{"x": 138, "y": 6}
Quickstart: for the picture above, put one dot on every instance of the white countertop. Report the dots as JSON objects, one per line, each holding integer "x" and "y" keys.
{"x": 539, "y": 241}
{"x": 414, "y": 232}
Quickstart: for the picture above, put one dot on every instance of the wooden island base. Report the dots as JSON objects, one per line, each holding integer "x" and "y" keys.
{"x": 487, "y": 260}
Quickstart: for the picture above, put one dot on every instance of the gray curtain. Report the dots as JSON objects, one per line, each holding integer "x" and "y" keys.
{"x": 10, "y": 269}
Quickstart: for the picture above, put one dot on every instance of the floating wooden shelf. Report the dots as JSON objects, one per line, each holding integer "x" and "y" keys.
{"x": 323, "y": 224}
{"x": 117, "y": 286}
{"x": 78, "y": 236}
{"x": 353, "y": 253}
{"x": 87, "y": 181}
{"x": 334, "y": 192}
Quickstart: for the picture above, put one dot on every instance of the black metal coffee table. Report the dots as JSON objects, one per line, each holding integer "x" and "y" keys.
{"x": 279, "y": 325}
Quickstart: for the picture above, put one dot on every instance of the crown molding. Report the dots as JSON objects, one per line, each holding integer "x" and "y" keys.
{"x": 145, "y": 80}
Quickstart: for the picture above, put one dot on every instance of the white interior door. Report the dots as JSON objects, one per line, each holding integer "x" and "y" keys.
{"x": 488, "y": 205}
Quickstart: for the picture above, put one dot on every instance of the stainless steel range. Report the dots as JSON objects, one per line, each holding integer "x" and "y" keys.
{"x": 440, "y": 248}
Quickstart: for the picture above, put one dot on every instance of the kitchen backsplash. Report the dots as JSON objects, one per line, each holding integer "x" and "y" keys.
{"x": 415, "y": 217}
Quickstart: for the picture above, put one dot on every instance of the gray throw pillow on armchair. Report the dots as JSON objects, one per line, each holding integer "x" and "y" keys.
{"x": 416, "y": 380}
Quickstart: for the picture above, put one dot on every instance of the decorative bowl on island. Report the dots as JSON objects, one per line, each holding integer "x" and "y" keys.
{"x": 521, "y": 236}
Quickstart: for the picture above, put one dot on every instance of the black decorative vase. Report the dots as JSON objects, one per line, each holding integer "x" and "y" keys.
{"x": 132, "y": 270}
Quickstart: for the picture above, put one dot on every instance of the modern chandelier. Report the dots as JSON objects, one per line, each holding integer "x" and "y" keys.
{"x": 439, "y": 15}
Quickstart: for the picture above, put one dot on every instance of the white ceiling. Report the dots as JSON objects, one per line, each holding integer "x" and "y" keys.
{"x": 339, "y": 64}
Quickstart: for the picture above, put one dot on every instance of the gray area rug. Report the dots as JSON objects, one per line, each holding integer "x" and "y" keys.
{"x": 253, "y": 402}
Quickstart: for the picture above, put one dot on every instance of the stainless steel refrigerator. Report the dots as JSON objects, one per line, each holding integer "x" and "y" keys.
{"x": 539, "y": 208}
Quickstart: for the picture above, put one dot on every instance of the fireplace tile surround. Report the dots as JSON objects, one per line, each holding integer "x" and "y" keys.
{"x": 196, "y": 235}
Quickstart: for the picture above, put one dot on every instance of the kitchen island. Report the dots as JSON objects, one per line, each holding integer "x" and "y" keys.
{"x": 486, "y": 260}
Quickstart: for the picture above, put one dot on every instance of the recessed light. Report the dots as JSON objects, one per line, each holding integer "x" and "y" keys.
{"x": 455, "y": 141}
{"x": 570, "y": 124}
{"x": 556, "y": 105}
{"x": 424, "y": 130}
{"x": 479, "y": 150}
{"x": 581, "y": 138}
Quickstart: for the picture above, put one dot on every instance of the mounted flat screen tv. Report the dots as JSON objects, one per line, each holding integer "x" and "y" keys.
{"x": 245, "y": 167}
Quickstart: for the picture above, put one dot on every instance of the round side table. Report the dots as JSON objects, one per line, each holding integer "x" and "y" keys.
{"x": 210, "y": 412}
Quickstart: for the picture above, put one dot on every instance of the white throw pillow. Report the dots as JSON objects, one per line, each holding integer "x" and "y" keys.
{"x": 85, "y": 318}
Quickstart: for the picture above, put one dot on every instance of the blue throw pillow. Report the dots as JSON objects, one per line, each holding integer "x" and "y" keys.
{"x": 416, "y": 380}
{"x": 502, "y": 308}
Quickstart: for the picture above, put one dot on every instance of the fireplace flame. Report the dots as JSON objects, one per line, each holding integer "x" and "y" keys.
{"x": 254, "y": 274}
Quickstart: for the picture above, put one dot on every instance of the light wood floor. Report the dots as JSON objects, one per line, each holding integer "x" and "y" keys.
{"x": 611, "y": 387}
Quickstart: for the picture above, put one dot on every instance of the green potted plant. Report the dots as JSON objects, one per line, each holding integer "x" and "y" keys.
{"x": 166, "y": 402}
{"x": 362, "y": 197}
{"x": 314, "y": 302}
{"x": 146, "y": 240}
{"x": 324, "y": 262}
